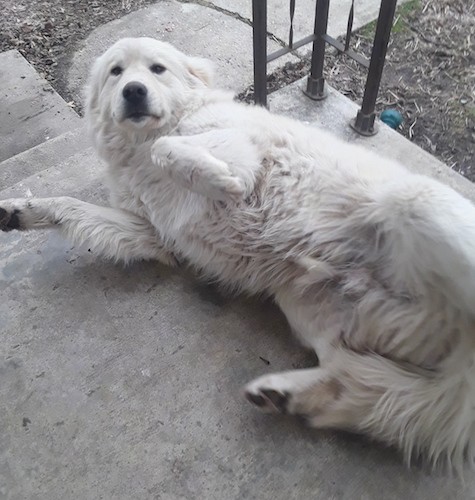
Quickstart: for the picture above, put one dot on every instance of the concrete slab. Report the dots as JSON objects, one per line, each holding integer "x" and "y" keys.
{"x": 122, "y": 383}
{"x": 192, "y": 28}
{"x": 31, "y": 112}
{"x": 71, "y": 177}
{"x": 335, "y": 113}
{"x": 278, "y": 15}
{"x": 41, "y": 157}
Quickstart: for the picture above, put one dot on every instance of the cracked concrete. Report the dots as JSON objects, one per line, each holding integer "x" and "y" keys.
{"x": 209, "y": 33}
{"x": 209, "y": 29}
{"x": 278, "y": 15}
{"x": 124, "y": 383}
{"x": 33, "y": 112}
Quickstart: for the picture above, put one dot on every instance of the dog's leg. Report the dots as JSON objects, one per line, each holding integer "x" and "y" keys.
{"x": 316, "y": 318}
{"x": 219, "y": 164}
{"x": 109, "y": 232}
{"x": 196, "y": 169}
{"x": 311, "y": 393}
{"x": 421, "y": 412}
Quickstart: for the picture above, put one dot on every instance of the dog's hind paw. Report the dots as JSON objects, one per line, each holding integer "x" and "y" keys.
{"x": 269, "y": 400}
{"x": 307, "y": 393}
{"x": 266, "y": 394}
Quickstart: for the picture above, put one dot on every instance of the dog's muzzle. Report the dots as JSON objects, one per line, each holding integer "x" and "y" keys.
{"x": 136, "y": 103}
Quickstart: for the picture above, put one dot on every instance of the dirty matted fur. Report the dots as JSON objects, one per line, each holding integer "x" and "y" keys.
{"x": 374, "y": 267}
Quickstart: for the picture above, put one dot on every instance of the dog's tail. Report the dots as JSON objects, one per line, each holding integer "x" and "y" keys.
{"x": 428, "y": 234}
{"x": 421, "y": 412}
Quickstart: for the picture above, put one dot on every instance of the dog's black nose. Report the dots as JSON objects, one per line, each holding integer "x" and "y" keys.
{"x": 134, "y": 92}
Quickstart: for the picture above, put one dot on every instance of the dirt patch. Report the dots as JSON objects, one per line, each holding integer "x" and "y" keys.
{"x": 44, "y": 31}
{"x": 429, "y": 75}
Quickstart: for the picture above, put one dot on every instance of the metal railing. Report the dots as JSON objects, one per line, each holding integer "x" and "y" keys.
{"x": 364, "y": 121}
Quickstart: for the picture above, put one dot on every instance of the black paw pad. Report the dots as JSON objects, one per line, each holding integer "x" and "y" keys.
{"x": 9, "y": 221}
{"x": 14, "y": 222}
{"x": 278, "y": 399}
{"x": 255, "y": 399}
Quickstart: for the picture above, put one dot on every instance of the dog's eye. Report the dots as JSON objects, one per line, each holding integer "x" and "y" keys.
{"x": 116, "y": 70}
{"x": 157, "y": 68}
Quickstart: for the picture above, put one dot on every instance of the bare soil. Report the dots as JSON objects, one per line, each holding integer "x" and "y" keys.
{"x": 45, "y": 32}
{"x": 429, "y": 75}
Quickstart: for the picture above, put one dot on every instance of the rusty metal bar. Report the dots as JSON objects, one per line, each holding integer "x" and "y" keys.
{"x": 349, "y": 26}
{"x": 328, "y": 39}
{"x": 315, "y": 89}
{"x": 316, "y": 82}
{"x": 287, "y": 50}
{"x": 291, "y": 31}
{"x": 259, "y": 33}
{"x": 364, "y": 122}
{"x": 341, "y": 48}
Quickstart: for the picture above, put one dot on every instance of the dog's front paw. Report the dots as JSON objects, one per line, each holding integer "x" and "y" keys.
{"x": 12, "y": 214}
{"x": 226, "y": 188}
{"x": 23, "y": 214}
{"x": 196, "y": 169}
{"x": 9, "y": 220}
{"x": 161, "y": 152}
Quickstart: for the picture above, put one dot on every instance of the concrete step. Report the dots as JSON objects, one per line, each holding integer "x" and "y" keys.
{"x": 140, "y": 368}
{"x": 224, "y": 39}
{"x": 31, "y": 112}
{"x": 41, "y": 157}
{"x": 335, "y": 114}
{"x": 74, "y": 170}
{"x": 278, "y": 16}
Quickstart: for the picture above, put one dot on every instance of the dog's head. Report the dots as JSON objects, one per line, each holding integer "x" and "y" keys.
{"x": 142, "y": 84}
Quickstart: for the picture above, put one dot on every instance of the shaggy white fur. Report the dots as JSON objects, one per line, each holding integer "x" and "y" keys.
{"x": 373, "y": 266}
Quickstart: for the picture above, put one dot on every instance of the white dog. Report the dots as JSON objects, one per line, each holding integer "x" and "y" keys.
{"x": 374, "y": 267}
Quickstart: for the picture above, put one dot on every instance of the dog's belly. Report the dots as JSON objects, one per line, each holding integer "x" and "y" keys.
{"x": 227, "y": 242}
{"x": 253, "y": 245}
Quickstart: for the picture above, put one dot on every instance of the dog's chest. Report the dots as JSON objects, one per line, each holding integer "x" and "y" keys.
{"x": 170, "y": 208}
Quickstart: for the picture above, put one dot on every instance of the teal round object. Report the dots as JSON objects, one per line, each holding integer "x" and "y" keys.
{"x": 391, "y": 117}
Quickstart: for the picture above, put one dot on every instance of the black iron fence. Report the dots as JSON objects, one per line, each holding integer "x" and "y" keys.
{"x": 315, "y": 89}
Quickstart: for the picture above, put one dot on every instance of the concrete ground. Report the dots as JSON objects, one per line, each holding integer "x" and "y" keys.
{"x": 124, "y": 383}
{"x": 34, "y": 113}
{"x": 217, "y": 29}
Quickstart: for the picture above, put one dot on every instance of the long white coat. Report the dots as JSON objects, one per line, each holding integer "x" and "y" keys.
{"x": 373, "y": 266}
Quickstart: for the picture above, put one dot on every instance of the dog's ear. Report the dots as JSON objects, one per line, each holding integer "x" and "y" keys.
{"x": 94, "y": 86}
{"x": 93, "y": 92}
{"x": 201, "y": 69}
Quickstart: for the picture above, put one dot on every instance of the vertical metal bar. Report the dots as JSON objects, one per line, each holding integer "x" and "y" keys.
{"x": 364, "y": 122}
{"x": 349, "y": 26}
{"x": 315, "y": 82}
{"x": 259, "y": 42}
{"x": 291, "y": 31}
